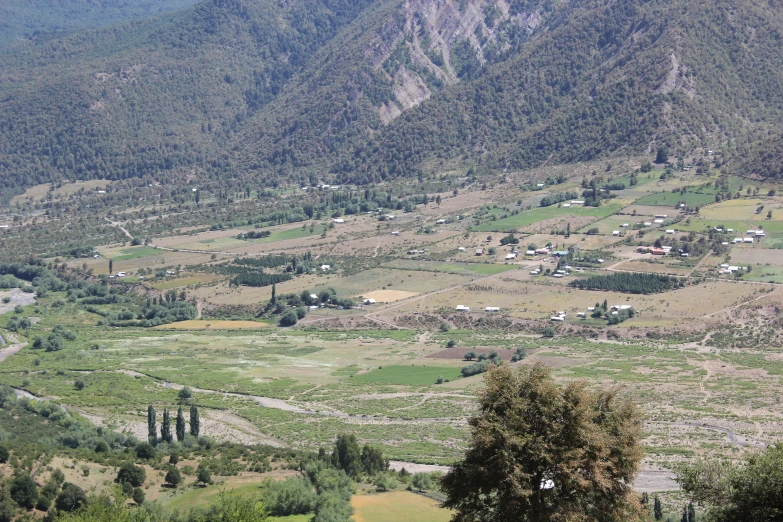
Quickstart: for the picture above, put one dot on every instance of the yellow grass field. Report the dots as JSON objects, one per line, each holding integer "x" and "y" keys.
{"x": 388, "y": 296}
{"x": 398, "y": 506}
{"x": 39, "y": 192}
{"x": 197, "y": 324}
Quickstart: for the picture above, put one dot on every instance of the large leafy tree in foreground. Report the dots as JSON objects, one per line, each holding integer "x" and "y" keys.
{"x": 744, "y": 492}
{"x": 545, "y": 453}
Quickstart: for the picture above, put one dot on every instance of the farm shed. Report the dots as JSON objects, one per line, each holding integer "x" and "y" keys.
{"x": 463, "y": 308}
{"x": 492, "y": 309}
{"x": 396, "y": 233}
{"x": 339, "y": 220}
{"x": 369, "y": 301}
{"x": 479, "y": 251}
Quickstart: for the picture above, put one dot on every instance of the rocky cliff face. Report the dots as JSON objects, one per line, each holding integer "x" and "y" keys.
{"x": 434, "y": 43}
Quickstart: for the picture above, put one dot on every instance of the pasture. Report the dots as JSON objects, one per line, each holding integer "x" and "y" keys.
{"x": 397, "y": 506}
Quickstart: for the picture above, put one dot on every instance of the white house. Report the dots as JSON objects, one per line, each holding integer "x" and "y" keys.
{"x": 565, "y": 205}
{"x": 670, "y": 231}
{"x": 534, "y": 272}
{"x": 737, "y": 240}
{"x": 339, "y": 220}
{"x": 492, "y": 309}
{"x": 658, "y": 221}
{"x": 647, "y": 224}
{"x": 461, "y": 249}
{"x": 479, "y": 251}
{"x": 120, "y": 274}
{"x": 324, "y": 268}
{"x": 577, "y": 202}
{"x": 557, "y": 318}
{"x": 440, "y": 222}
{"x": 396, "y": 233}
{"x": 463, "y": 308}
{"x": 615, "y": 232}
{"x": 510, "y": 256}
{"x": 557, "y": 275}
{"x": 530, "y": 253}
{"x": 369, "y": 301}
{"x": 624, "y": 225}
{"x": 581, "y": 314}
{"x": 747, "y": 240}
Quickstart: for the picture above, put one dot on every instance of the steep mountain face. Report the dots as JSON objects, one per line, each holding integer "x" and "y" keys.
{"x": 374, "y": 89}
{"x": 576, "y": 81}
{"x": 153, "y": 96}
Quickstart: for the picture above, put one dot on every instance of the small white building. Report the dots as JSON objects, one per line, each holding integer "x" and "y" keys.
{"x": 461, "y": 249}
{"x": 647, "y": 224}
{"x": 440, "y": 222}
{"x": 658, "y": 221}
{"x": 565, "y": 205}
{"x": 558, "y": 318}
{"x": 557, "y": 275}
{"x": 577, "y": 202}
{"x": 324, "y": 268}
{"x": 339, "y": 220}
{"x": 747, "y": 240}
{"x": 530, "y": 252}
{"x": 396, "y": 233}
{"x": 670, "y": 231}
{"x": 492, "y": 309}
{"x": 534, "y": 272}
{"x": 510, "y": 257}
{"x": 369, "y": 301}
{"x": 581, "y": 315}
{"x": 479, "y": 251}
{"x": 737, "y": 240}
{"x": 122, "y": 274}
{"x": 463, "y": 308}
{"x": 624, "y": 225}
{"x": 615, "y": 232}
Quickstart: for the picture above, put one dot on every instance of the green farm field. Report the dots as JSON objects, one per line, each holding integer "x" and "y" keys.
{"x": 530, "y": 217}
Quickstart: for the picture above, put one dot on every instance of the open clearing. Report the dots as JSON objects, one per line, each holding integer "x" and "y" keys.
{"x": 398, "y": 506}
{"x": 388, "y": 296}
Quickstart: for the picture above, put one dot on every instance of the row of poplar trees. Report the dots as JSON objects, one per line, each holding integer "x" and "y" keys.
{"x": 165, "y": 427}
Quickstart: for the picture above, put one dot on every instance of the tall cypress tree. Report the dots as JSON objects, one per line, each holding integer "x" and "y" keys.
{"x": 657, "y": 509}
{"x": 195, "y": 424}
{"x": 165, "y": 428}
{"x": 152, "y": 431}
{"x": 180, "y": 425}
{"x": 691, "y": 512}
{"x": 274, "y": 294}
{"x": 684, "y": 517}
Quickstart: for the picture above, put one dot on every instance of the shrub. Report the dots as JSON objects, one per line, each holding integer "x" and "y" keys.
{"x": 451, "y": 344}
{"x": 145, "y": 451}
{"x": 293, "y": 496}
{"x": 101, "y": 447}
{"x": 23, "y": 491}
{"x": 548, "y": 332}
{"x": 133, "y": 475}
{"x": 173, "y": 477}
{"x": 185, "y": 394}
{"x": 71, "y": 498}
{"x": 4, "y": 454}
{"x": 289, "y": 318}
{"x": 138, "y": 496}
{"x": 79, "y": 385}
{"x": 43, "y": 503}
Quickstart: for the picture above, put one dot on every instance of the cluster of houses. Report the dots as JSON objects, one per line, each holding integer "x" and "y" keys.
{"x": 489, "y": 309}
{"x": 665, "y": 250}
{"x": 726, "y": 268}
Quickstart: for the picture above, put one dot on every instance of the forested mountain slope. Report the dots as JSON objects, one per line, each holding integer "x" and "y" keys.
{"x": 372, "y": 89}
{"x": 25, "y": 19}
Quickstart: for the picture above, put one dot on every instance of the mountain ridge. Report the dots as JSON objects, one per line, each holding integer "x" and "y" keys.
{"x": 366, "y": 91}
